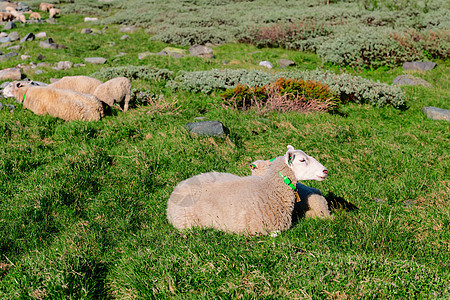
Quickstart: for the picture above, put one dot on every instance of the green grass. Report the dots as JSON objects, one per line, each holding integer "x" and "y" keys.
{"x": 83, "y": 204}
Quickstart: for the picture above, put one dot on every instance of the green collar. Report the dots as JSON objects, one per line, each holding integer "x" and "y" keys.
{"x": 24, "y": 95}
{"x": 288, "y": 181}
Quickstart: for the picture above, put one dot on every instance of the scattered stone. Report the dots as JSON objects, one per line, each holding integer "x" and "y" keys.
{"x": 207, "y": 128}
{"x": 436, "y": 113}
{"x": 50, "y": 44}
{"x": 144, "y": 54}
{"x": 174, "y": 52}
{"x": 124, "y": 37}
{"x": 410, "y": 80}
{"x": 28, "y": 38}
{"x": 41, "y": 57}
{"x": 86, "y": 31}
{"x": 10, "y": 74}
{"x": 87, "y": 19}
{"x": 37, "y": 72}
{"x": 11, "y": 54}
{"x": 286, "y": 63}
{"x": 16, "y": 47}
{"x": 14, "y": 36}
{"x": 3, "y": 34}
{"x": 121, "y": 54}
{"x": 41, "y": 35}
{"x": 24, "y": 57}
{"x": 95, "y": 60}
{"x": 79, "y": 65}
{"x": 201, "y": 51}
{"x": 128, "y": 29}
{"x": 63, "y": 65}
{"x": 9, "y": 26}
{"x": 419, "y": 66}
{"x": 5, "y": 39}
{"x": 11, "y": 107}
{"x": 266, "y": 64}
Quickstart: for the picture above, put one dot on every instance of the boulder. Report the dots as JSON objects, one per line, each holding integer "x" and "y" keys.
{"x": 10, "y": 74}
{"x": 14, "y": 36}
{"x": 28, "y": 38}
{"x": 436, "y": 113}
{"x": 286, "y": 63}
{"x": 95, "y": 60}
{"x": 9, "y": 26}
{"x": 266, "y": 64}
{"x": 410, "y": 80}
{"x": 201, "y": 51}
{"x": 206, "y": 128}
{"x": 419, "y": 66}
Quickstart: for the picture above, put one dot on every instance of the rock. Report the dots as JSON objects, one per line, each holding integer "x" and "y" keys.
{"x": 49, "y": 21}
{"x": 95, "y": 60}
{"x": 201, "y": 51}
{"x": 16, "y": 47}
{"x": 11, "y": 107}
{"x": 286, "y": 63}
{"x": 28, "y": 38}
{"x": 9, "y": 26}
{"x": 144, "y": 54}
{"x": 11, "y": 54}
{"x": 40, "y": 57}
{"x": 174, "y": 52}
{"x": 435, "y": 113}
{"x": 419, "y": 66}
{"x": 410, "y": 80}
{"x": 206, "y": 128}
{"x": 50, "y": 44}
{"x": 41, "y": 35}
{"x": 3, "y": 34}
{"x": 1, "y": 106}
{"x": 86, "y": 31}
{"x": 24, "y": 57}
{"x": 63, "y": 65}
{"x": 88, "y": 19}
{"x": 10, "y": 74}
{"x": 266, "y": 64}
{"x": 79, "y": 65}
{"x": 37, "y": 72}
{"x": 5, "y": 39}
{"x": 14, "y": 36}
{"x": 128, "y": 29}
{"x": 124, "y": 37}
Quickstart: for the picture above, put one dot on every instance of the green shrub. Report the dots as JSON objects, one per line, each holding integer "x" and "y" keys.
{"x": 134, "y": 72}
{"x": 349, "y": 88}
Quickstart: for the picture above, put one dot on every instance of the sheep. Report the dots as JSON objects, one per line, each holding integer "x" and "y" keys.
{"x": 21, "y": 18}
{"x": 65, "y": 104}
{"x": 249, "y": 205}
{"x": 54, "y": 12}
{"x": 45, "y": 6}
{"x": 313, "y": 204}
{"x": 35, "y": 15}
{"x": 12, "y": 11}
{"x": 115, "y": 90}
{"x": 6, "y": 16}
{"x": 81, "y": 84}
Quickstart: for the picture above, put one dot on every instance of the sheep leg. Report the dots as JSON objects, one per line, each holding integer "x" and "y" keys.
{"x": 127, "y": 100}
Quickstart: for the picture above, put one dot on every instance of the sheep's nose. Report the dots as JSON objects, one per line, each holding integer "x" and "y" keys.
{"x": 325, "y": 171}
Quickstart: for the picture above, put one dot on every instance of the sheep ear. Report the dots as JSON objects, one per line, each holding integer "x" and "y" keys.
{"x": 290, "y": 155}
{"x": 290, "y": 148}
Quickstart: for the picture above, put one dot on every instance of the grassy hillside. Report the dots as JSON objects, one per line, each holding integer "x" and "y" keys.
{"x": 83, "y": 204}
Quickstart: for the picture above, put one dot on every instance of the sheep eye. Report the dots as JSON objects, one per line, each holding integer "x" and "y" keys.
{"x": 302, "y": 159}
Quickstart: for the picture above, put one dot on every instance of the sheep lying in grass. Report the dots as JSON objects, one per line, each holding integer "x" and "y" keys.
{"x": 313, "y": 203}
{"x": 115, "y": 90}
{"x": 65, "y": 104}
{"x": 250, "y": 205}
{"x": 81, "y": 84}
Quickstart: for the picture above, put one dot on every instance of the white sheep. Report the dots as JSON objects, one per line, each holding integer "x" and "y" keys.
{"x": 313, "y": 203}
{"x": 65, "y": 104}
{"x": 53, "y": 12}
{"x": 45, "y": 6}
{"x": 250, "y": 205}
{"x": 115, "y": 90}
{"x": 81, "y": 84}
{"x": 35, "y": 15}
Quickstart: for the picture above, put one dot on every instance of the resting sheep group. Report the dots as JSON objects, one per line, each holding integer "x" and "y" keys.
{"x": 249, "y": 205}
{"x": 313, "y": 204}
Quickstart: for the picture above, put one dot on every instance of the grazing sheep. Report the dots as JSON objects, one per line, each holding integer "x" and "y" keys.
{"x": 6, "y": 16}
{"x": 54, "y": 12}
{"x": 45, "y": 6}
{"x": 12, "y": 11}
{"x": 313, "y": 203}
{"x": 35, "y": 15}
{"x": 81, "y": 84}
{"x": 115, "y": 90}
{"x": 21, "y": 18}
{"x": 250, "y": 205}
{"x": 65, "y": 104}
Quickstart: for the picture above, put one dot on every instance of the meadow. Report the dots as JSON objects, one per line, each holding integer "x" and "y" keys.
{"x": 83, "y": 204}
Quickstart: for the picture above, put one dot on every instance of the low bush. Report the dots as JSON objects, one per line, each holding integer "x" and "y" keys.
{"x": 134, "y": 72}
{"x": 347, "y": 87}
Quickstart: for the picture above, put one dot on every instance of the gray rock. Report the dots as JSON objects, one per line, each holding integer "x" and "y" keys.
{"x": 88, "y": 19}
{"x": 28, "y": 38}
{"x": 419, "y": 66}
{"x": 50, "y": 44}
{"x": 41, "y": 35}
{"x": 63, "y": 65}
{"x": 95, "y": 60}
{"x": 9, "y": 26}
{"x": 206, "y": 128}
{"x": 266, "y": 64}
{"x": 410, "y": 80}
{"x": 435, "y": 113}
{"x": 1, "y": 106}
{"x": 11, "y": 107}
{"x": 37, "y": 72}
{"x": 128, "y": 29}
{"x": 124, "y": 37}
{"x": 86, "y": 31}
{"x": 10, "y": 74}
{"x": 16, "y": 47}
{"x": 144, "y": 54}
{"x": 174, "y": 52}
{"x": 11, "y": 54}
{"x": 286, "y": 63}
{"x": 25, "y": 57}
{"x": 201, "y": 51}
{"x": 3, "y": 34}
{"x": 5, "y": 39}
{"x": 14, "y": 36}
